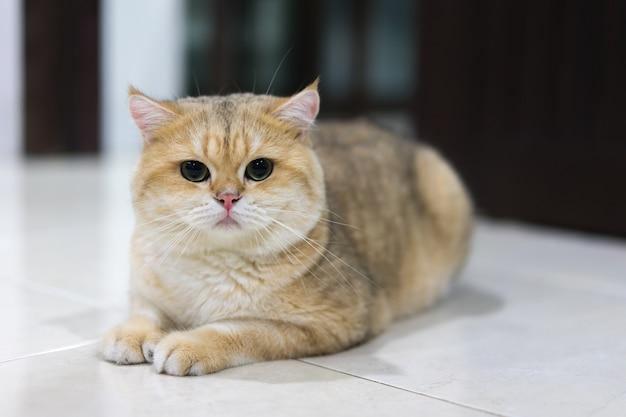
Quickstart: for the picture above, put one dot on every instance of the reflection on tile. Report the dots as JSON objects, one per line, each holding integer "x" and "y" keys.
{"x": 66, "y": 225}
{"x": 34, "y": 321}
{"x": 76, "y": 383}
{"x": 75, "y": 224}
{"x": 508, "y": 344}
{"x": 561, "y": 256}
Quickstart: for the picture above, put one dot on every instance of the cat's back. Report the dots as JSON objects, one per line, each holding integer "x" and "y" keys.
{"x": 408, "y": 213}
{"x": 370, "y": 186}
{"x": 358, "y": 155}
{"x": 366, "y": 168}
{"x": 345, "y": 137}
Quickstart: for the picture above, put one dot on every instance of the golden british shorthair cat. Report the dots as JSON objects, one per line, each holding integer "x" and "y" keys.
{"x": 260, "y": 235}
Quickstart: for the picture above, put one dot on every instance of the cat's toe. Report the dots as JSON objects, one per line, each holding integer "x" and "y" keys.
{"x": 130, "y": 343}
{"x": 122, "y": 351}
{"x": 173, "y": 355}
{"x": 183, "y": 354}
{"x": 148, "y": 350}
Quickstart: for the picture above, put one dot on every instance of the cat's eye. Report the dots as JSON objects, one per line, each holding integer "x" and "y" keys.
{"x": 259, "y": 169}
{"x": 194, "y": 171}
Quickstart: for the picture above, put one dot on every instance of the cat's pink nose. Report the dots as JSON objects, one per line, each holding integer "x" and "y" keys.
{"x": 228, "y": 200}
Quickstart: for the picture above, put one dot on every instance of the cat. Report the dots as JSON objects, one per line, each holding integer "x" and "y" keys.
{"x": 261, "y": 235}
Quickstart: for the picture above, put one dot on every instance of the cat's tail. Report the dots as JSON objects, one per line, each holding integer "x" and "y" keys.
{"x": 445, "y": 205}
{"x": 445, "y": 226}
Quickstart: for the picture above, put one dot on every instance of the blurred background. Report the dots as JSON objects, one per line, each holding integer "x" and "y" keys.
{"x": 527, "y": 98}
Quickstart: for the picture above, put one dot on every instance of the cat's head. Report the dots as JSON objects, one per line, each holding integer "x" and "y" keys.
{"x": 235, "y": 172}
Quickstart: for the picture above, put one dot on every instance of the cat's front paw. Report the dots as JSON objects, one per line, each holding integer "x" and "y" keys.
{"x": 188, "y": 353}
{"x": 130, "y": 343}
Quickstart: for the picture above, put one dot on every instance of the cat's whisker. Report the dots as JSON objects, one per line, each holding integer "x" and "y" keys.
{"x": 193, "y": 237}
{"x": 153, "y": 238}
{"x": 316, "y": 248}
{"x": 327, "y": 250}
{"x": 163, "y": 228}
{"x": 286, "y": 202}
{"x": 270, "y": 219}
{"x": 175, "y": 241}
{"x": 158, "y": 219}
{"x": 269, "y": 87}
{"x": 310, "y": 270}
{"x": 305, "y": 215}
{"x": 283, "y": 245}
{"x": 170, "y": 226}
{"x": 284, "y": 248}
{"x": 333, "y": 213}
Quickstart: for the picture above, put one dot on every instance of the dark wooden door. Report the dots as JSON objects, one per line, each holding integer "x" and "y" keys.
{"x": 528, "y": 98}
{"x": 61, "y": 85}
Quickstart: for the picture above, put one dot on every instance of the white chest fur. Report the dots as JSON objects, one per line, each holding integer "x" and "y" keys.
{"x": 195, "y": 290}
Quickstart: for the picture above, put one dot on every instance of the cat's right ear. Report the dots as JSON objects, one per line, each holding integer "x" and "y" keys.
{"x": 149, "y": 115}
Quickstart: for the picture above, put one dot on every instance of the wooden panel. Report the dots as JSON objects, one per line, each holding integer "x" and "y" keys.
{"x": 61, "y": 76}
{"x": 528, "y": 99}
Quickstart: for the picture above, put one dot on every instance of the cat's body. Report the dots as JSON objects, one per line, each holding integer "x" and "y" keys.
{"x": 372, "y": 228}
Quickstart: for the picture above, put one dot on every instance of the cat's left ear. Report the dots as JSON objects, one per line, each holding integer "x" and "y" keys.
{"x": 302, "y": 108}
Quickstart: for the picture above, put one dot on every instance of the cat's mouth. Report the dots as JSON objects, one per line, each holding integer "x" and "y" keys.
{"x": 227, "y": 222}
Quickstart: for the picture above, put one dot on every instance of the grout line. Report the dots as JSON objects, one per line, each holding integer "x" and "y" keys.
{"x": 482, "y": 410}
{"x": 601, "y": 408}
{"x": 45, "y": 352}
{"x": 93, "y": 341}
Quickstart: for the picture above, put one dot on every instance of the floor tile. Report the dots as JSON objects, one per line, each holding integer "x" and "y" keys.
{"x": 509, "y": 342}
{"x": 76, "y": 383}
{"x": 35, "y": 321}
{"x": 597, "y": 263}
{"x": 66, "y": 226}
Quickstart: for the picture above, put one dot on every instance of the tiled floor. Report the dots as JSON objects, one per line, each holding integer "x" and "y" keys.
{"x": 535, "y": 327}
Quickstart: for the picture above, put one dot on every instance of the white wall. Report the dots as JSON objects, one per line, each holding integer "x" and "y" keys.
{"x": 142, "y": 44}
{"x": 10, "y": 78}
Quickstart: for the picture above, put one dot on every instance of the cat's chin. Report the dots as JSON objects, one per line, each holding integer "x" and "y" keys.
{"x": 229, "y": 233}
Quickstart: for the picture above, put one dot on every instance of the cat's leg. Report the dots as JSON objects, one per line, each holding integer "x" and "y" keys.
{"x": 134, "y": 340}
{"x": 229, "y": 343}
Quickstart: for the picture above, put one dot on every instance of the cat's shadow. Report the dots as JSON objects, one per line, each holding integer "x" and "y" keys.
{"x": 464, "y": 301}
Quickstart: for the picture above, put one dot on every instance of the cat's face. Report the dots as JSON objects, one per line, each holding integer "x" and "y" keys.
{"x": 234, "y": 172}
